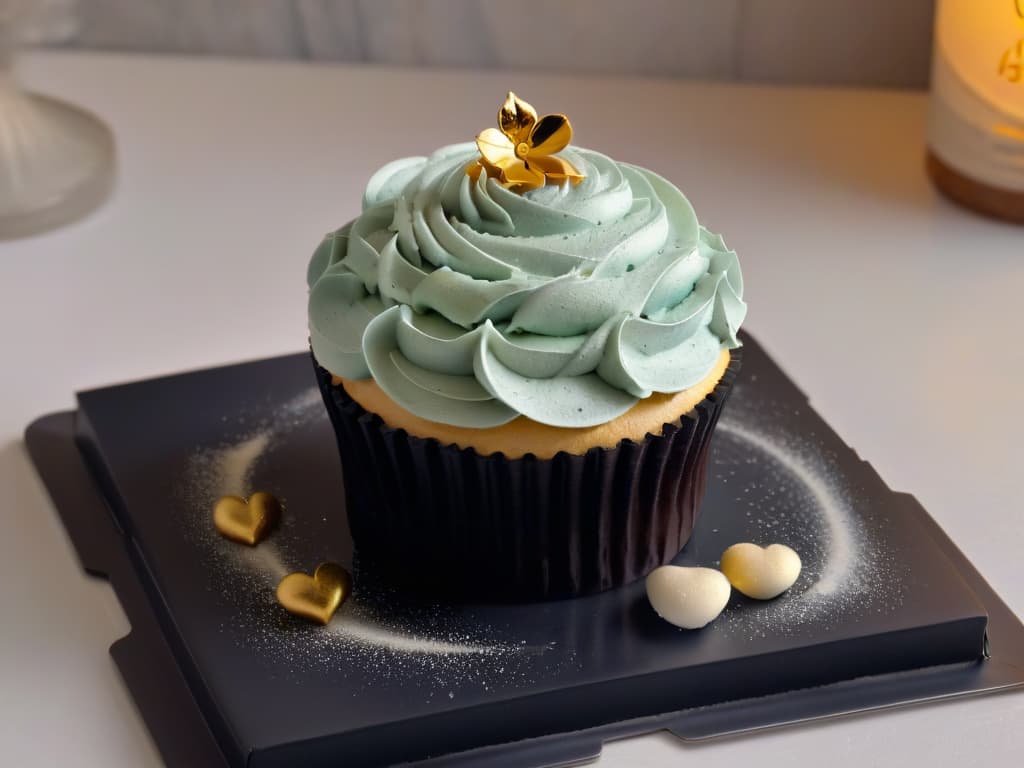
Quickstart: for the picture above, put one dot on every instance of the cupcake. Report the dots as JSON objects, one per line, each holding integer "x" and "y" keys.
{"x": 523, "y": 348}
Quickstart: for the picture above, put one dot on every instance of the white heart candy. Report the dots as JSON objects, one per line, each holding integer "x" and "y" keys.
{"x": 687, "y": 597}
{"x": 761, "y": 572}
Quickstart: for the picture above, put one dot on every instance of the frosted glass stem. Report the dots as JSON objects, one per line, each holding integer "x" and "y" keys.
{"x": 56, "y": 161}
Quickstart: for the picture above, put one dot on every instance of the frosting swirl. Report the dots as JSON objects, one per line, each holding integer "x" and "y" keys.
{"x": 470, "y": 304}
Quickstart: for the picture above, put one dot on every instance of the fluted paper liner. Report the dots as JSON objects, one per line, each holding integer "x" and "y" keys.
{"x": 448, "y": 520}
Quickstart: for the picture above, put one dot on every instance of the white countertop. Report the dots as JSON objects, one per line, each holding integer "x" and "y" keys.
{"x": 899, "y": 314}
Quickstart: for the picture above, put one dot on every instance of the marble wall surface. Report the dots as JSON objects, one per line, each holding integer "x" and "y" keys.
{"x": 857, "y": 42}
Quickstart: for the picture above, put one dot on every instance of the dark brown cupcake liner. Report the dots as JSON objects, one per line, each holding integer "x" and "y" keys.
{"x": 447, "y": 520}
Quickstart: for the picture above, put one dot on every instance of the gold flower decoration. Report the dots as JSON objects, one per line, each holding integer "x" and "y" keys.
{"x": 521, "y": 154}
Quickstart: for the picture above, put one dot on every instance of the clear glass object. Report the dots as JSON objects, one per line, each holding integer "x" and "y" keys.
{"x": 56, "y": 160}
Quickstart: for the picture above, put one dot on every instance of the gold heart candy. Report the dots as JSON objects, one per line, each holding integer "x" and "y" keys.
{"x": 315, "y": 597}
{"x": 244, "y": 521}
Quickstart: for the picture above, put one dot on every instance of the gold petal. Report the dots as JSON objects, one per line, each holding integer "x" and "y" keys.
{"x": 516, "y": 118}
{"x": 494, "y": 146}
{"x": 556, "y": 168}
{"x": 552, "y": 134}
{"x": 474, "y": 169}
{"x": 518, "y": 173}
{"x": 481, "y": 166}
{"x": 509, "y": 161}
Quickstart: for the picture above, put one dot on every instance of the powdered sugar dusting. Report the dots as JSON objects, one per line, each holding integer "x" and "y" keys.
{"x": 236, "y": 463}
{"x": 842, "y": 548}
{"x": 390, "y": 637}
{"x": 800, "y": 496}
{"x": 350, "y": 622}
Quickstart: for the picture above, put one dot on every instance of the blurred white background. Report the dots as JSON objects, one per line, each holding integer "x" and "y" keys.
{"x": 855, "y": 42}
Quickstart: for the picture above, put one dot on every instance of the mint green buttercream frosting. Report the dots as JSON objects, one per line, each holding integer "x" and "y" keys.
{"x": 471, "y": 304}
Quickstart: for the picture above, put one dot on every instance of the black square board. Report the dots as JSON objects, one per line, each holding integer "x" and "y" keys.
{"x": 886, "y": 611}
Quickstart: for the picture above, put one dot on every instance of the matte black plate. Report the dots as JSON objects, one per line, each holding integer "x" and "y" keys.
{"x": 886, "y": 611}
